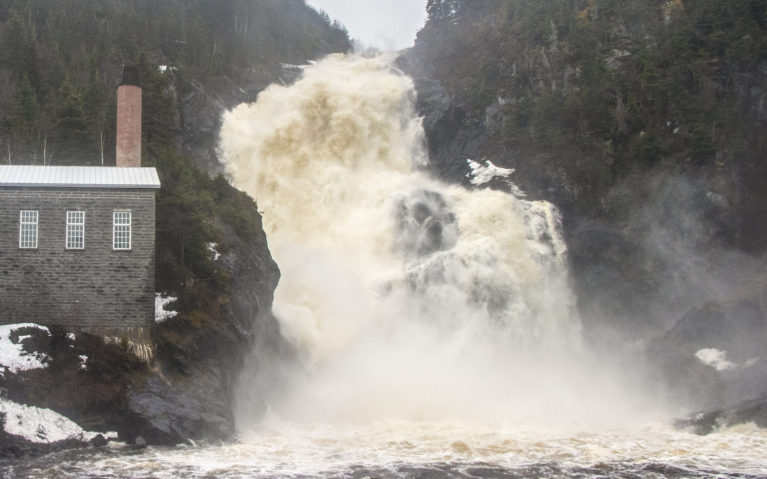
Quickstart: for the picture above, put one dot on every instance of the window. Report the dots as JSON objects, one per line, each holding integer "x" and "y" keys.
{"x": 75, "y": 229}
{"x": 28, "y": 229}
{"x": 121, "y": 231}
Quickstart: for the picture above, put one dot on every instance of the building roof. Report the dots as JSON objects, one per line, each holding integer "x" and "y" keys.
{"x": 78, "y": 176}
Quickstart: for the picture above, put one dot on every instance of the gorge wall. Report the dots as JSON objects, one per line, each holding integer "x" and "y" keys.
{"x": 644, "y": 123}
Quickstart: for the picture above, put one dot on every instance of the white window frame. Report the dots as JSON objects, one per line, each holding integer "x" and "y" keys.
{"x": 121, "y": 230}
{"x": 75, "y": 237}
{"x": 28, "y": 227}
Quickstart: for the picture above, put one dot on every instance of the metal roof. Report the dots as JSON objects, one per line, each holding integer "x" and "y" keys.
{"x": 78, "y": 176}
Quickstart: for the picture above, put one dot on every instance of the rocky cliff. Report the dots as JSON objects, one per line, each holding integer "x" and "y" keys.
{"x": 644, "y": 123}
{"x": 184, "y": 391}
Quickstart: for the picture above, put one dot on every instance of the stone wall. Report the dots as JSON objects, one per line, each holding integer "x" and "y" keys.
{"x": 96, "y": 288}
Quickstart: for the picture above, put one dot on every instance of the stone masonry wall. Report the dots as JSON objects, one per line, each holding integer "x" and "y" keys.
{"x": 94, "y": 288}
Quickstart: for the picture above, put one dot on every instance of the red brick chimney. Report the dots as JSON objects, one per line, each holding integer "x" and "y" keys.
{"x": 129, "y": 120}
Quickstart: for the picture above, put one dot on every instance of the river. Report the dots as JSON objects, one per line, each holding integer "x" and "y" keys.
{"x": 396, "y": 449}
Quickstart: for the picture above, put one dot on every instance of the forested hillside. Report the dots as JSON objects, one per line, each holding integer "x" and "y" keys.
{"x": 595, "y": 89}
{"x": 645, "y": 122}
{"x": 598, "y": 104}
{"x": 60, "y": 63}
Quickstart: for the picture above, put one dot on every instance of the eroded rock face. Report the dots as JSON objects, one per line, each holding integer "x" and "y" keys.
{"x": 192, "y": 395}
{"x": 655, "y": 231}
{"x": 751, "y": 411}
{"x": 14, "y": 447}
{"x": 176, "y": 413}
{"x": 425, "y": 223}
{"x": 714, "y": 355}
{"x": 81, "y": 377}
{"x": 170, "y": 399}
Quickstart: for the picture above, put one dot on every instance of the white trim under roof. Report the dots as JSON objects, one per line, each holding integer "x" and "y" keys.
{"x": 78, "y": 176}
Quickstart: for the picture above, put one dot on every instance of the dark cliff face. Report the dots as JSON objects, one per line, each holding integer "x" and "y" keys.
{"x": 185, "y": 391}
{"x": 199, "y": 361}
{"x": 642, "y": 121}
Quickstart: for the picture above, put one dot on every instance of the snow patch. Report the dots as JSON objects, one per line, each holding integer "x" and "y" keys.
{"x": 83, "y": 362}
{"x": 212, "y": 248}
{"x": 715, "y": 358}
{"x": 291, "y": 66}
{"x": 481, "y": 174}
{"x": 160, "y": 313}
{"x": 41, "y": 425}
{"x": 13, "y": 358}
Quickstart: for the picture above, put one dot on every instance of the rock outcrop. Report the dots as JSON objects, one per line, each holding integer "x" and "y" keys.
{"x": 192, "y": 394}
{"x": 178, "y": 395}
{"x": 752, "y": 411}
{"x": 714, "y": 354}
{"x": 597, "y": 109}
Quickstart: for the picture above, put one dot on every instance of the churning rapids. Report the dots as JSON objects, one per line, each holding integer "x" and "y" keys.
{"x": 435, "y": 327}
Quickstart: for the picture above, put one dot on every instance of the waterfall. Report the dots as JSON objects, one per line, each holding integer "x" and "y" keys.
{"x": 434, "y": 326}
{"x": 406, "y": 297}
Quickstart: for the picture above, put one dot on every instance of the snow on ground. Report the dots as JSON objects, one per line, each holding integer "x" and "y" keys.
{"x": 42, "y": 425}
{"x": 13, "y": 358}
{"x": 212, "y": 248}
{"x": 160, "y": 313}
{"x": 32, "y": 423}
{"x": 715, "y": 358}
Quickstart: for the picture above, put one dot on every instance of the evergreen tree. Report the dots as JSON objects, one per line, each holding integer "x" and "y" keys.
{"x": 60, "y": 62}
{"x": 18, "y": 50}
{"x": 27, "y": 122}
{"x": 70, "y": 131}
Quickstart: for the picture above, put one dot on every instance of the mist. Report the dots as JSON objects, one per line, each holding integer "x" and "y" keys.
{"x": 406, "y": 298}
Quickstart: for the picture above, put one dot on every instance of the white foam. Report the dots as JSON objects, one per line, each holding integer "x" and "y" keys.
{"x": 406, "y": 297}
{"x": 481, "y": 174}
{"x": 281, "y": 449}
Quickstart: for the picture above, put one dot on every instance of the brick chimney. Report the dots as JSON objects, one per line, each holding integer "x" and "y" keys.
{"x": 129, "y": 120}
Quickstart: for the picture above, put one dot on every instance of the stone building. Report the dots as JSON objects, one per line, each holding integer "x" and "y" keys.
{"x": 77, "y": 243}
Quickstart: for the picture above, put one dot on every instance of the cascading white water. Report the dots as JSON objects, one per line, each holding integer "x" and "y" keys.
{"x": 435, "y": 323}
{"x": 407, "y": 298}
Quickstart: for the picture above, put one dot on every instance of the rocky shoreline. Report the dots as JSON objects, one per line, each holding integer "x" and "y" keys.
{"x": 16, "y": 447}
{"x": 182, "y": 390}
{"x": 702, "y": 423}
